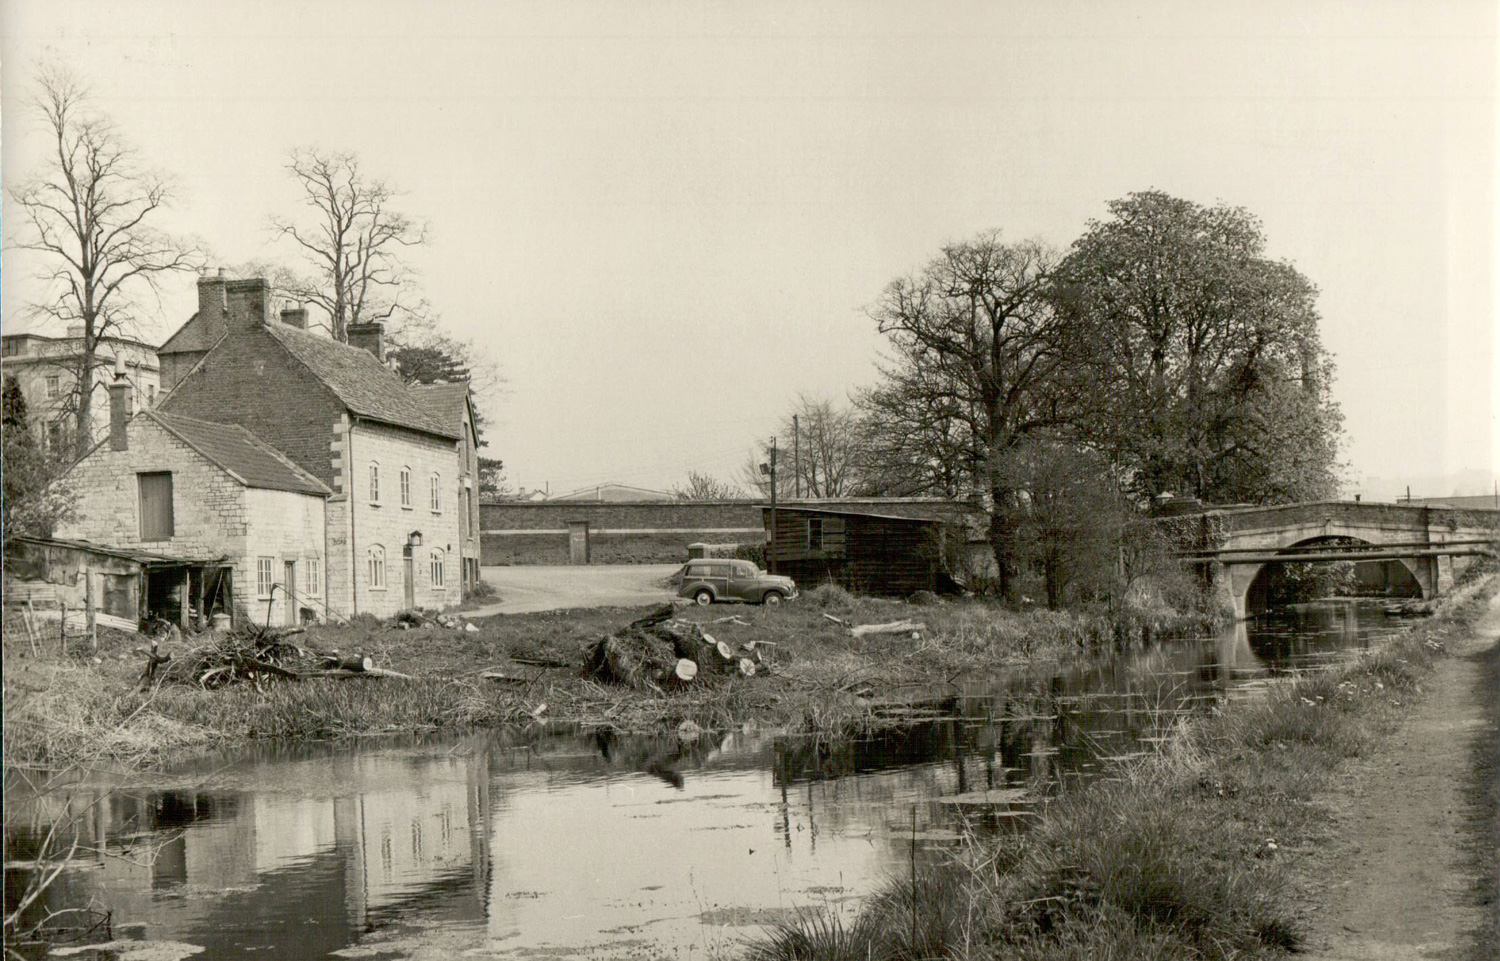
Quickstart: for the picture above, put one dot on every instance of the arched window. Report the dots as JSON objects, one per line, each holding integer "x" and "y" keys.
{"x": 437, "y": 497}
{"x": 437, "y": 569}
{"x": 374, "y": 482}
{"x": 375, "y": 568}
{"x": 405, "y": 486}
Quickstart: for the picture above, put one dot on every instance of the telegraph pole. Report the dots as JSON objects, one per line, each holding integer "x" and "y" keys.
{"x": 770, "y": 469}
{"x": 796, "y": 457}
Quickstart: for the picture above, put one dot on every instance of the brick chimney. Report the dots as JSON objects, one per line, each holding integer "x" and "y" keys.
{"x": 294, "y": 317}
{"x": 369, "y": 337}
{"x": 119, "y": 408}
{"x": 248, "y": 303}
{"x": 211, "y": 294}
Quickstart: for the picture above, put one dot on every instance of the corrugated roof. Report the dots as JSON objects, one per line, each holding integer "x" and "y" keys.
{"x": 198, "y": 334}
{"x": 249, "y": 459}
{"x": 128, "y": 553}
{"x": 365, "y": 385}
{"x": 446, "y": 401}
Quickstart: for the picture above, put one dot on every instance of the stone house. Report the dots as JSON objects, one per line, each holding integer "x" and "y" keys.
{"x": 395, "y": 528}
{"x": 454, "y": 404}
{"x": 233, "y": 525}
{"x": 46, "y": 368}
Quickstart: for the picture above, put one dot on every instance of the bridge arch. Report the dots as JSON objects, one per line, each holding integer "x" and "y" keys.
{"x": 1256, "y": 578}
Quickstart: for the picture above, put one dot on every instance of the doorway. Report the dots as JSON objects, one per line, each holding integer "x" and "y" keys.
{"x": 290, "y": 587}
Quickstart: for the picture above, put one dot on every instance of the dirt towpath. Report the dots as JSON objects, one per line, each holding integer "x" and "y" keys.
{"x": 1411, "y": 831}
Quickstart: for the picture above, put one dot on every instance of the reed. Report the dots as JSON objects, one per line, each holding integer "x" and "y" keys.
{"x": 1181, "y": 854}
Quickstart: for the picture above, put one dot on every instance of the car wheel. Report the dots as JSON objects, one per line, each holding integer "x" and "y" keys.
{"x": 773, "y": 598}
{"x": 704, "y": 598}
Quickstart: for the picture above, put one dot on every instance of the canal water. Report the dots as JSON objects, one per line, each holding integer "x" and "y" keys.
{"x": 541, "y": 843}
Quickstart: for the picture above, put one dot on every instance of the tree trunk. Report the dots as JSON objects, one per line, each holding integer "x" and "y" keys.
{"x": 1003, "y": 541}
{"x": 83, "y": 417}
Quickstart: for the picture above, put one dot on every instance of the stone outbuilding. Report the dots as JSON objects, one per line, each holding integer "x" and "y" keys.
{"x": 220, "y": 521}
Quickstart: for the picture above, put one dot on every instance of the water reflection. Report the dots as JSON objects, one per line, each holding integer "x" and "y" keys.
{"x": 543, "y": 840}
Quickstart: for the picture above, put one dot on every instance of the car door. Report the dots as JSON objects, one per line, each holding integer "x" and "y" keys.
{"x": 743, "y": 583}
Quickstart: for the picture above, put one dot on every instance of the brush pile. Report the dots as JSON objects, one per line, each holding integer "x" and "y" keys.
{"x": 251, "y": 655}
{"x": 660, "y": 652}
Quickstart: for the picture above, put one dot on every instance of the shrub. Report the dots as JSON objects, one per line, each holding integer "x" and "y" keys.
{"x": 830, "y": 597}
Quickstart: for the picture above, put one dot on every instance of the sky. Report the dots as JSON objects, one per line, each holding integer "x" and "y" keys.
{"x": 664, "y": 220}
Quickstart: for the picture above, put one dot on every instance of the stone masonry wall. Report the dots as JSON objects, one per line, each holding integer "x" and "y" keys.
{"x": 252, "y": 381}
{"x": 387, "y": 523}
{"x": 209, "y": 510}
{"x": 645, "y": 533}
{"x": 284, "y": 526}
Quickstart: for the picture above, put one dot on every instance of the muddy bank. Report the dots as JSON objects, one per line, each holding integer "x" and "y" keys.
{"x": 818, "y": 676}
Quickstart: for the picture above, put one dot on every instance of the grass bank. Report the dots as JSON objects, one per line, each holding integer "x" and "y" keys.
{"x": 1189, "y": 853}
{"x": 85, "y": 709}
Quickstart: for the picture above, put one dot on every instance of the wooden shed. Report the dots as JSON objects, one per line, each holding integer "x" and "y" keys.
{"x": 122, "y": 584}
{"x": 866, "y": 553}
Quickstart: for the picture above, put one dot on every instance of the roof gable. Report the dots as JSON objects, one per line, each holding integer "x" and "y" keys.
{"x": 241, "y": 454}
{"x": 363, "y": 384}
{"x": 447, "y": 402}
{"x": 200, "y": 333}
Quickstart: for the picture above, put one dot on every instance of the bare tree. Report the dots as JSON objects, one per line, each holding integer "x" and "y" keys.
{"x": 705, "y": 487}
{"x": 975, "y": 345}
{"x": 91, "y": 211}
{"x": 352, "y": 241}
{"x": 820, "y": 441}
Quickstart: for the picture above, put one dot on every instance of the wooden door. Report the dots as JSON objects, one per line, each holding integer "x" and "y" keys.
{"x": 291, "y": 593}
{"x": 409, "y": 566}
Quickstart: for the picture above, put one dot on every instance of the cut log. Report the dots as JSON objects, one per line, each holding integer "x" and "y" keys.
{"x": 894, "y": 627}
{"x": 686, "y": 670}
{"x": 747, "y": 667}
{"x": 725, "y": 651}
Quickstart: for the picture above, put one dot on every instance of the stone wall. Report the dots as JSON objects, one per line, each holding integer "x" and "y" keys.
{"x": 213, "y": 515}
{"x": 210, "y": 515}
{"x": 284, "y": 526}
{"x": 250, "y": 380}
{"x": 385, "y": 524}
{"x": 642, "y": 533}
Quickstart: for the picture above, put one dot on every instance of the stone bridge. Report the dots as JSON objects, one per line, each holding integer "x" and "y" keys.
{"x": 1432, "y": 543}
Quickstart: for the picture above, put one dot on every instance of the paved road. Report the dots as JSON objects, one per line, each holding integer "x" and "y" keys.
{"x": 525, "y": 589}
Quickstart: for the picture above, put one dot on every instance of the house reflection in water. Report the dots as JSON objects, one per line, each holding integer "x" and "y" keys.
{"x": 336, "y": 846}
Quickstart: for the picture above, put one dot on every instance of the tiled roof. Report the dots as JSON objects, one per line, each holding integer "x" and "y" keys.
{"x": 446, "y": 401}
{"x": 365, "y": 385}
{"x": 248, "y": 458}
{"x": 199, "y": 333}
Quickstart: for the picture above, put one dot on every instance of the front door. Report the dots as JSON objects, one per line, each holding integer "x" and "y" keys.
{"x": 409, "y": 565}
{"x": 578, "y": 542}
{"x": 290, "y": 586}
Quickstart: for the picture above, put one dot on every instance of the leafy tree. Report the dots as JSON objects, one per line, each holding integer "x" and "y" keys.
{"x": 704, "y": 487}
{"x": 975, "y": 343}
{"x": 1200, "y": 359}
{"x": 32, "y": 503}
{"x": 1069, "y": 518}
{"x": 352, "y": 241}
{"x": 90, "y": 212}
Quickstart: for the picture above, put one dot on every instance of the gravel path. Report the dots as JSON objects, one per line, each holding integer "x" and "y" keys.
{"x": 524, "y": 590}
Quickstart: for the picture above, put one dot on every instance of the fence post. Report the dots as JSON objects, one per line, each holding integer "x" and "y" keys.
{"x": 90, "y": 622}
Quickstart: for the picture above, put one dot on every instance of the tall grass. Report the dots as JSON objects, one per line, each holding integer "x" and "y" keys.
{"x": 1177, "y": 855}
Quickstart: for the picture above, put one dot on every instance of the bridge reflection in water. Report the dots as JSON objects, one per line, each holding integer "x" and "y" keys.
{"x": 546, "y": 840}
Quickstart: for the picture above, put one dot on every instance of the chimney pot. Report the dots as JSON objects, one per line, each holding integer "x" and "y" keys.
{"x": 120, "y": 404}
{"x": 247, "y": 303}
{"x": 369, "y": 337}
